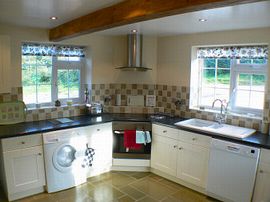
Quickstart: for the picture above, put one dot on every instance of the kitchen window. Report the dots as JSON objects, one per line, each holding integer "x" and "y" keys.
{"x": 235, "y": 74}
{"x": 50, "y": 73}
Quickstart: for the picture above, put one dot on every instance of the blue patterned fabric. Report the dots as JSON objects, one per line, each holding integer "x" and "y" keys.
{"x": 234, "y": 52}
{"x": 52, "y": 50}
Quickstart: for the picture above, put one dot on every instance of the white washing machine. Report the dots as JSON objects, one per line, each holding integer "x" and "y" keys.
{"x": 64, "y": 152}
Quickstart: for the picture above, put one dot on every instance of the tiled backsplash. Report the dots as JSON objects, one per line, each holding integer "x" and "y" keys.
{"x": 166, "y": 96}
{"x": 54, "y": 112}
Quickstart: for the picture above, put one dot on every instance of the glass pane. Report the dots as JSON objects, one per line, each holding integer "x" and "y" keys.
{"x": 44, "y": 93}
{"x": 62, "y": 78}
{"x": 242, "y": 98}
{"x": 244, "y": 81}
{"x": 256, "y": 100}
{"x": 28, "y": 75}
{"x": 44, "y": 60}
{"x": 222, "y": 93}
{"x": 208, "y": 96}
{"x": 259, "y": 61}
{"x": 29, "y": 94}
{"x": 244, "y": 61}
{"x": 209, "y": 63}
{"x": 224, "y": 63}
{"x": 28, "y": 59}
{"x": 258, "y": 80}
{"x": 209, "y": 77}
{"x": 44, "y": 75}
{"x": 223, "y": 78}
{"x": 73, "y": 59}
{"x": 74, "y": 83}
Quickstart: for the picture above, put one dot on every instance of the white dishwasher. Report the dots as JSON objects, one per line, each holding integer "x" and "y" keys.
{"x": 232, "y": 171}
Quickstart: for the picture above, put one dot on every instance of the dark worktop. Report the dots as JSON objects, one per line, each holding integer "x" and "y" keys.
{"x": 27, "y": 128}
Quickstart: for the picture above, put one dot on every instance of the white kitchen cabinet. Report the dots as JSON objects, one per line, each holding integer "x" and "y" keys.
{"x": 5, "y": 86}
{"x": 261, "y": 191}
{"x": 23, "y": 166}
{"x": 100, "y": 139}
{"x": 164, "y": 154}
{"x": 181, "y": 154}
{"x": 192, "y": 163}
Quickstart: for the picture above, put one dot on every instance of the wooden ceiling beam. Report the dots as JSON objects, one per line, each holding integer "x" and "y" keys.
{"x": 131, "y": 11}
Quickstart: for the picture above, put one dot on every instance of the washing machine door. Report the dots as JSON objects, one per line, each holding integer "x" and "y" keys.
{"x": 64, "y": 157}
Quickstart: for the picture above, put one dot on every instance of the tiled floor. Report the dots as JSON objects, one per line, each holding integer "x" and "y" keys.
{"x": 122, "y": 187}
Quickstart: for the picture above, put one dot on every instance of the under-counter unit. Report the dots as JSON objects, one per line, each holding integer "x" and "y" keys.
{"x": 22, "y": 166}
{"x": 99, "y": 137}
{"x": 261, "y": 191}
{"x": 180, "y": 154}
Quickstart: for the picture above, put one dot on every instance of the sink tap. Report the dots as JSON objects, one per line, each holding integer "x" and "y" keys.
{"x": 221, "y": 117}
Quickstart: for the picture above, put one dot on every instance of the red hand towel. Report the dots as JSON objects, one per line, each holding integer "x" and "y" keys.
{"x": 130, "y": 140}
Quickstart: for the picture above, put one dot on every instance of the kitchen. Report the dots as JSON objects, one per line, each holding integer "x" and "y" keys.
{"x": 168, "y": 55}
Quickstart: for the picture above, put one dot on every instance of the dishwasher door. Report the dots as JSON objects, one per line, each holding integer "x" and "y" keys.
{"x": 232, "y": 171}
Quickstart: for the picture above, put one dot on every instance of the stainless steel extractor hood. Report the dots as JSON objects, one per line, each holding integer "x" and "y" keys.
{"x": 134, "y": 55}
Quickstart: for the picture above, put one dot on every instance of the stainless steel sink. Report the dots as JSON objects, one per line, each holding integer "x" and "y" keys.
{"x": 214, "y": 127}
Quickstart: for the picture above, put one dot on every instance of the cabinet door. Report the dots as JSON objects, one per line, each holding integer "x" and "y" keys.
{"x": 192, "y": 163}
{"x": 100, "y": 139}
{"x": 24, "y": 169}
{"x": 164, "y": 154}
{"x": 5, "y": 64}
{"x": 261, "y": 193}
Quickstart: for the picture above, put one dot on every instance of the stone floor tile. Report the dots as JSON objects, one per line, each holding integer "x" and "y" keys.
{"x": 132, "y": 192}
{"x": 153, "y": 188}
{"x": 126, "y": 199}
{"x": 104, "y": 193}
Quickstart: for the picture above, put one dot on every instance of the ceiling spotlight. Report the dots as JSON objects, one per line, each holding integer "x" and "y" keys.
{"x": 202, "y": 20}
{"x": 53, "y": 18}
{"x": 134, "y": 31}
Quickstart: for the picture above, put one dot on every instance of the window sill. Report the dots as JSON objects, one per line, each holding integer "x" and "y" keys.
{"x": 52, "y": 106}
{"x": 241, "y": 115}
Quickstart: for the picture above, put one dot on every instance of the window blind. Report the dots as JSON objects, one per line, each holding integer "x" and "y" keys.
{"x": 52, "y": 50}
{"x": 234, "y": 52}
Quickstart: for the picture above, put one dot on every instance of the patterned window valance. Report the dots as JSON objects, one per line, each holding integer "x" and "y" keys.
{"x": 237, "y": 52}
{"x": 52, "y": 50}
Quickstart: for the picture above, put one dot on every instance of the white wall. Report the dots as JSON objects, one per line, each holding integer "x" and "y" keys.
{"x": 110, "y": 52}
{"x": 103, "y": 55}
{"x": 174, "y": 53}
{"x": 17, "y": 36}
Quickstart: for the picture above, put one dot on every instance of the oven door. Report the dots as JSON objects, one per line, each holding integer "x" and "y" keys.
{"x": 119, "y": 151}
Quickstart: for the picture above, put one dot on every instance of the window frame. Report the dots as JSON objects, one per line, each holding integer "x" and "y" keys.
{"x": 238, "y": 68}
{"x": 235, "y": 70}
{"x": 56, "y": 65}
{"x": 201, "y": 68}
{"x": 67, "y": 65}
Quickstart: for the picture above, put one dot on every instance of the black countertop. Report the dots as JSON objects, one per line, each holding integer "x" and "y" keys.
{"x": 27, "y": 128}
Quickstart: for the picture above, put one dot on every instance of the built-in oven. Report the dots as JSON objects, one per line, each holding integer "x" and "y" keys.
{"x": 119, "y": 150}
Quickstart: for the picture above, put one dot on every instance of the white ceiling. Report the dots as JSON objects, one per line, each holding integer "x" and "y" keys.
{"x": 36, "y": 13}
{"x": 254, "y": 15}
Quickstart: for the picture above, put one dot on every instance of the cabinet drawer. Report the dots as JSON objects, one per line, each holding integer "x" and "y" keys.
{"x": 15, "y": 143}
{"x": 194, "y": 138}
{"x": 265, "y": 156}
{"x": 165, "y": 131}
